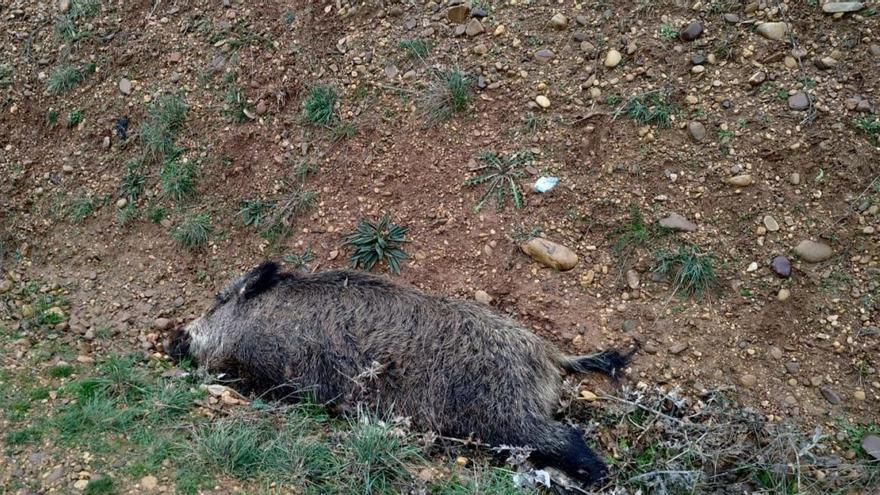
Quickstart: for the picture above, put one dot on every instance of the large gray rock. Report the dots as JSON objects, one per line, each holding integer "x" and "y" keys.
{"x": 677, "y": 222}
{"x": 773, "y": 30}
{"x": 835, "y": 7}
{"x": 813, "y": 252}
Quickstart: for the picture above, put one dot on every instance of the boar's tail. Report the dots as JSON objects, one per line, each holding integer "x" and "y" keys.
{"x": 609, "y": 362}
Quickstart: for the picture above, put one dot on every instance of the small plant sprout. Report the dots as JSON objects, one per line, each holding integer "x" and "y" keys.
{"x": 63, "y": 79}
{"x": 299, "y": 261}
{"x": 667, "y": 32}
{"x": 500, "y": 175}
{"x": 417, "y": 49}
{"x": 648, "y": 108}
{"x": 377, "y": 241}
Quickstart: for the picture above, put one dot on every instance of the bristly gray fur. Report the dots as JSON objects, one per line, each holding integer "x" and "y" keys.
{"x": 453, "y": 366}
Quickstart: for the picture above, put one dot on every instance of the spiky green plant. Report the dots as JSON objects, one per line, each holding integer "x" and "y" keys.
{"x": 299, "y": 261}
{"x": 177, "y": 180}
{"x": 417, "y": 48}
{"x": 319, "y": 104}
{"x": 648, "y": 108}
{"x": 667, "y": 32}
{"x": 871, "y": 127}
{"x": 194, "y": 231}
{"x": 377, "y": 241}
{"x": 253, "y": 211}
{"x": 448, "y": 93}
{"x": 5, "y": 75}
{"x": 74, "y": 117}
{"x": 63, "y": 79}
{"x": 80, "y": 208}
{"x": 693, "y": 274}
{"x": 501, "y": 175}
{"x": 165, "y": 117}
{"x": 133, "y": 181}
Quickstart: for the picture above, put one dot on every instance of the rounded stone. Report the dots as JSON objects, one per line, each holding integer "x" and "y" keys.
{"x": 550, "y": 254}
{"x": 813, "y": 252}
{"x": 612, "y": 58}
{"x": 781, "y": 266}
{"x": 542, "y": 101}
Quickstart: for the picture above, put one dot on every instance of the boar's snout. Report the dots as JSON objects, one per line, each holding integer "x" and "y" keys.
{"x": 176, "y": 345}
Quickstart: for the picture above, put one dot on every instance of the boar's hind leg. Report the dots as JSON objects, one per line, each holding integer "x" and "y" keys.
{"x": 566, "y": 450}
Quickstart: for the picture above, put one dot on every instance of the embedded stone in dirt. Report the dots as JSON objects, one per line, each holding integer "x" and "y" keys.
{"x": 559, "y": 21}
{"x": 474, "y": 27}
{"x": 758, "y": 78}
{"x": 783, "y": 295}
{"x": 63, "y": 6}
{"x": 773, "y": 30}
{"x": 691, "y": 32}
{"x": 771, "y": 223}
{"x": 677, "y": 222}
{"x": 835, "y": 7}
{"x": 748, "y": 381}
{"x": 612, "y": 58}
{"x": 781, "y": 266}
{"x": 550, "y": 254}
{"x": 458, "y": 14}
{"x": 5, "y": 285}
{"x": 740, "y": 180}
{"x": 149, "y": 482}
{"x": 678, "y": 347}
{"x": 482, "y": 296}
{"x": 697, "y": 131}
{"x": 830, "y": 395}
{"x": 632, "y": 279}
{"x": 871, "y": 445}
{"x": 125, "y": 86}
{"x": 825, "y": 63}
{"x": 798, "y": 101}
{"x": 812, "y": 251}
{"x": 544, "y": 55}
{"x": 161, "y": 323}
{"x": 542, "y": 101}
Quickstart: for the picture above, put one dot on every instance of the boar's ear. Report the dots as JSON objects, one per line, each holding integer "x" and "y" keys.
{"x": 259, "y": 280}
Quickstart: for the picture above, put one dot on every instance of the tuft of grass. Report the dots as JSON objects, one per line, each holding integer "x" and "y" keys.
{"x": 24, "y": 436}
{"x": 693, "y": 274}
{"x": 177, "y": 180}
{"x": 165, "y": 117}
{"x": 299, "y": 261}
{"x": 5, "y": 75}
{"x": 417, "y": 48}
{"x": 485, "y": 481}
{"x": 60, "y": 371}
{"x": 193, "y": 231}
{"x": 344, "y": 130}
{"x": 377, "y": 241}
{"x": 871, "y": 127}
{"x": 378, "y": 457}
{"x": 235, "y": 106}
{"x": 448, "y": 93}
{"x": 634, "y": 234}
{"x": 667, "y": 32}
{"x": 319, "y": 104}
{"x": 51, "y": 117}
{"x": 63, "y": 79}
{"x": 74, "y": 117}
{"x": 80, "y": 208}
{"x": 156, "y": 213}
{"x": 531, "y": 122}
{"x": 254, "y": 211}
{"x": 133, "y": 181}
{"x": 648, "y": 108}
{"x": 288, "y": 17}
{"x": 127, "y": 214}
{"x": 100, "y": 486}
{"x": 500, "y": 174}
{"x": 278, "y": 223}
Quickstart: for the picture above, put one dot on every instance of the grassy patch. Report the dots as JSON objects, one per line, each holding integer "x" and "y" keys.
{"x": 74, "y": 118}
{"x": 667, "y": 32}
{"x": 448, "y": 93}
{"x": 5, "y": 75}
{"x": 344, "y": 130}
{"x": 377, "y": 241}
{"x": 133, "y": 181}
{"x": 648, "y": 108}
{"x": 299, "y": 261}
{"x": 165, "y": 117}
{"x": 634, "y": 234}
{"x": 156, "y": 213}
{"x": 177, "y": 179}
{"x": 80, "y": 208}
{"x": 127, "y": 214}
{"x": 61, "y": 371}
{"x": 63, "y": 79}
{"x": 870, "y": 126}
{"x": 377, "y": 456}
{"x": 100, "y": 486}
{"x": 235, "y": 106}
{"x": 500, "y": 175}
{"x": 691, "y": 269}
{"x": 193, "y": 231}
{"x": 275, "y": 219}
{"x": 531, "y": 122}
{"x": 319, "y": 104}
{"x": 24, "y": 436}
{"x": 417, "y": 48}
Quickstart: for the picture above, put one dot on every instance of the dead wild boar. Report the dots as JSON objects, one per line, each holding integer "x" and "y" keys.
{"x": 454, "y": 367}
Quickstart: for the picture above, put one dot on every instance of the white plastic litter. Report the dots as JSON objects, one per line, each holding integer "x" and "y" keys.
{"x": 545, "y": 184}
{"x": 532, "y": 479}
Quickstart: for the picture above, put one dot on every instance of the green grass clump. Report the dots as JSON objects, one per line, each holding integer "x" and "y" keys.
{"x": 667, "y": 32}
{"x": 193, "y": 231}
{"x": 299, "y": 261}
{"x": 74, "y": 117}
{"x": 253, "y": 212}
{"x": 24, "y": 436}
{"x": 275, "y": 219}
{"x": 871, "y": 127}
{"x": 5, "y": 75}
{"x": 634, "y": 234}
{"x": 344, "y": 130}
{"x": 80, "y": 208}
{"x": 648, "y": 108}
{"x": 448, "y": 93}
{"x": 482, "y": 480}
{"x": 133, "y": 181}
{"x": 100, "y": 486}
{"x": 417, "y": 48}
{"x": 127, "y": 214}
{"x": 156, "y": 213}
{"x": 377, "y": 459}
{"x": 165, "y": 117}
{"x": 63, "y": 79}
{"x": 235, "y": 106}
{"x": 377, "y": 241}
{"x": 501, "y": 174}
{"x": 319, "y": 105}
{"x": 691, "y": 268}
{"x": 61, "y": 371}
{"x": 177, "y": 180}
